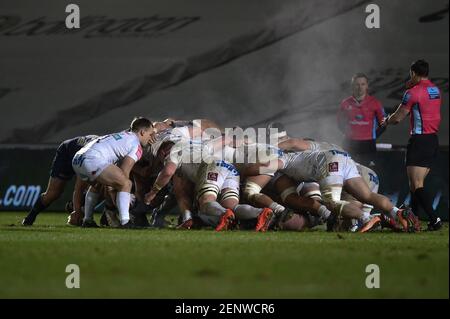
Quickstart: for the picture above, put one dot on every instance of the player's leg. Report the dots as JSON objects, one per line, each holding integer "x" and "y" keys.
{"x": 287, "y": 189}
{"x": 230, "y": 199}
{"x": 113, "y": 176}
{"x": 359, "y": 189}
{"x": 211, "y": 178}
{"x": 91, "y": 199}
{"x": 76, "y": 216}
{"x": 252, "y": 193}
{"x": 417, "y": 176}
{"x": 54, "y": 190}
{"x": 182, "y": 189}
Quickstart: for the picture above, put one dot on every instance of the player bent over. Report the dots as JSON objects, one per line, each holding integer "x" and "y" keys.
{"x": 217, "y": 189}
{"x": 96, "y": 163}
{"x": 334, "y": 170}
{"x": 61, "y": 172}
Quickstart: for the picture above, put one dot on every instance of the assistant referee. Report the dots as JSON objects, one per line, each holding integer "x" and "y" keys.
{"x": 422, "y": 101}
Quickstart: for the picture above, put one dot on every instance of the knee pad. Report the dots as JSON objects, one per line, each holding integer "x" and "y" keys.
{"x": 288, "y": 191}
{"x": 251, "y": 190}
{"x": 229, "y": 193}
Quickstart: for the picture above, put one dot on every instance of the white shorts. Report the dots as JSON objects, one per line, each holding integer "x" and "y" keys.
{"x": 338, "y": 168}
{"x": 215, "y": 177}
{"x": 88, "y": 165}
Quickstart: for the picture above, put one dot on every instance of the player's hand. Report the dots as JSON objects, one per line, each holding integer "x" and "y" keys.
{"x": 384, "y": 123}
{"x": 75, "y": 218}
{"x": 149, "y": 197}
{"x": 153, "y": 138}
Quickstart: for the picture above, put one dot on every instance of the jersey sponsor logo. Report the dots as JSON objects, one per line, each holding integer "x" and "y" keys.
{"x": 78, "y": 160}
{"x": 359, "y": 122}
{"x": 212, "y": 176}
{"x": 333, "y": 167}
{"x": 337, "y": 152}
{"x": 116, "y": 136}
{"x": 433, "y": 93}
{"x": 374, "y": 179}
{"x": 406, "y": 98}
{"x": 229, "y": 167}
{"x": 359, "y": 117}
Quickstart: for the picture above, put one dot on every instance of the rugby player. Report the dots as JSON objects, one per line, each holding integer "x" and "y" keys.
{"x": 97, "y": 163}
{"x": 211, "y": 179}
{"x": 60, "y": 173}
{"x": 422, "y": 101}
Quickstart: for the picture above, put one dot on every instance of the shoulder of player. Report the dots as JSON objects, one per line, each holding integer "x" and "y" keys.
{"x": 348, "y": 100}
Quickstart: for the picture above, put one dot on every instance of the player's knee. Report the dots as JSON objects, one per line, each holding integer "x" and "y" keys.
{"x": 207, "y": 193}
{"x": 415, "y": 184}
{"x": 230, "y": 195}
{"x": 124, "y": 185}
{"x": 288, "y": 192}
{"x": 51, "y": 196}
{"x": 314, "y": 194}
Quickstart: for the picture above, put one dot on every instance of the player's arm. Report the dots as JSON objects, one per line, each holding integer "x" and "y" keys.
{"x": 78, "y": 194}
{"x": 397, "y": 116}
{"x": 380, "y": 115}
{"x": 294, "y": 144}
{"x": 162, "y": 180}
{"x": 402, "y": 110}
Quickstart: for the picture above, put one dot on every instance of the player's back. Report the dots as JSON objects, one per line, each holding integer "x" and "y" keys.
{"x": 73, "y": 145}
{"x": 302, "y": 166}
{"x": 114, "y": 147}
{"x": 324, "y": 146}
{"x": 425, "y": 112}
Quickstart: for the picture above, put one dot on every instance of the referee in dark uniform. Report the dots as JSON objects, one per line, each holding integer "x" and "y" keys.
{"x": 422, "y": 101}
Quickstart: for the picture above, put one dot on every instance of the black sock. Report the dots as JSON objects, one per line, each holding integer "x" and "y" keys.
{"x": 426, "y": 202}
{"x": 37, "y": 208}
{"x": 414, "y": 204}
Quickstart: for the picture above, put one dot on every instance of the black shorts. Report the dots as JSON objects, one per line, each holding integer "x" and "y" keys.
{"x": 62, "y": 164}
{"x": 422, "y": 150}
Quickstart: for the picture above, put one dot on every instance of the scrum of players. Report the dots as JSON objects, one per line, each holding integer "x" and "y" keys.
{"x": 213, "y": 179}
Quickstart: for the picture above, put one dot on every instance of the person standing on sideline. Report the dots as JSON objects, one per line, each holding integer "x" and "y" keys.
{"x": 359, "y": 117}
{"x": 422, "y": 101}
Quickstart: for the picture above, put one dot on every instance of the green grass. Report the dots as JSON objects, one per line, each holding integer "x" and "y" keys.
{"x": 205, "y": 264}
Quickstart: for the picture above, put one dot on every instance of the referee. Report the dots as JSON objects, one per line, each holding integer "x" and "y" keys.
{"x": 422, "y": 101}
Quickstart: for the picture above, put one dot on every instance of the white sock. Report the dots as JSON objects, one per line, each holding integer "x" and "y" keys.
{"x": 213, "y": 209}
{"x": 123, "y": 205}
{"x": 277, "y": 208}
{"x": 323, "y": 212}
{"x": 90, "y": 201}
{"x": 365, "y": 217}
{"x": 367, "y": 208}
{"x": 186, "y": 215}
{"x": 394, "y": 212}
{"x": 244, "y": 211}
